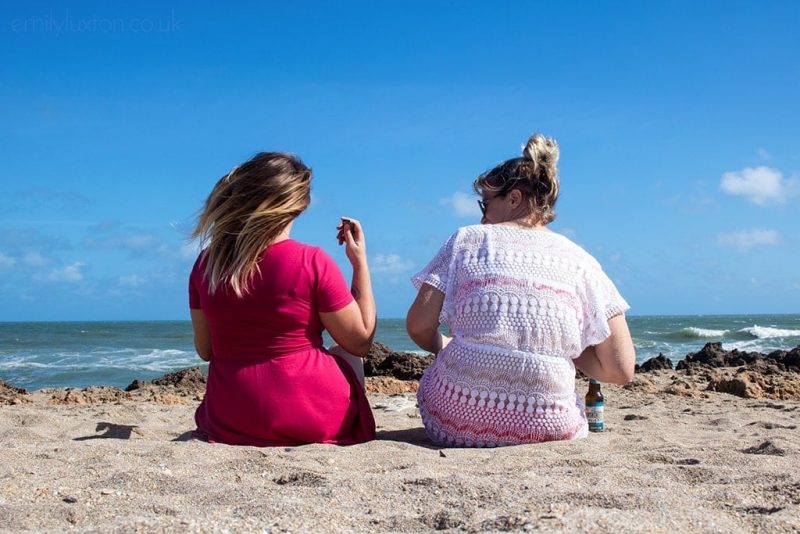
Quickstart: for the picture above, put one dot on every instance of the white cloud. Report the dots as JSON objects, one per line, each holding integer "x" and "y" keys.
{"x": 70, "y": 273}
{"x": 134, "y": 242}
{"x": 6, "y": 262}
{"x": 131, "y": 280}
{"x": 34, "y": 259}
{"x": 390, "y": 264}
{"x": 463, "y": 205}
{"x": 747, "y": 239}
{"x": 763, "y": 154}
{"x": 760, "y": 185}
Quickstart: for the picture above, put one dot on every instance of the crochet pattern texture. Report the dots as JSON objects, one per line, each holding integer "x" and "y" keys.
{"x": 520, "y": 304}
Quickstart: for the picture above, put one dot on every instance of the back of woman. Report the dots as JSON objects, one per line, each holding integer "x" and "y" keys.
{"x": 259, "y": 303}
{"x": 271, "y": 382}
{"x": 525, "y": 307}
{"x": 521, "y": 304}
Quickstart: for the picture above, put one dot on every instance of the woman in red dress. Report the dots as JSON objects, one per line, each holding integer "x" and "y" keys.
{"x": 259, "y": 302}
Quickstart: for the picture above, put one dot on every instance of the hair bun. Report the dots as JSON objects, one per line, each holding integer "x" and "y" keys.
{"x": 543, "y": 152}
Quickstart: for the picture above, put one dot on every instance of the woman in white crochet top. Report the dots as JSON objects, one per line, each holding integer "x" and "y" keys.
{"x": 525, "y": 307}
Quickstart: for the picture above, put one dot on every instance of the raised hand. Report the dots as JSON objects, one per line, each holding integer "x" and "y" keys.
{"x": 351, "y": 235}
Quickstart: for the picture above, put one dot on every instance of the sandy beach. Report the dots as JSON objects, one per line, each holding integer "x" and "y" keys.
{"x": 676, "y": 456}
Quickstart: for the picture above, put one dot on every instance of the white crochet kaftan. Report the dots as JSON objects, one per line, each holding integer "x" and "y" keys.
{"x": 521, "y": 304}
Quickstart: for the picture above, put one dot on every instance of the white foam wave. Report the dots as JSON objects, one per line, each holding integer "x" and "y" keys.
{"x": 157, "y": 360}
{"x": 704, "y": 332}
{"x": 766, "y": 332}
{"x": 22, "y": 364}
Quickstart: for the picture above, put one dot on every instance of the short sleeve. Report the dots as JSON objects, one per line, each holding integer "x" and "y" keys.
{"x": 194, "y": 292}
{"x": 601, "y": 301}
{"x": 437, "y": 272}
{"x": 332, "y": 293}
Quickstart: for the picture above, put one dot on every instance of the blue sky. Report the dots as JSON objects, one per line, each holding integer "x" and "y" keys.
{"x": 678, "y": 126}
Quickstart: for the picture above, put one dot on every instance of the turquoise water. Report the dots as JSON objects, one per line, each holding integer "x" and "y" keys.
{"x": 78, "y": 354}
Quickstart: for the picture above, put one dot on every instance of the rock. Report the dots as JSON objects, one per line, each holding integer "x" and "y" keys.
{"x": 642, "y": 384}
{"x": 753, "y": 384}
{"x": 90, "y": 395}
{"x": 191, "y": 378}
{"x": 12, "y": 395}
{"x": 653, "y": 364}
{"x": 792, "y": 358}
{"x": 382, "y": 361}
{"x": 404, "y": 366}
{"x": 375, "y": 357}
{"x": 682, "y": 388}
{"x": 743, "y": 385}
{"x": 712, "y": 355}
{"x": 172, "y": 388}
{"x": 136, "y": 384}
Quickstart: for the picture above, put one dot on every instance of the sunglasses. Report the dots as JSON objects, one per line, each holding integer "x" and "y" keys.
{"x": 484, "y": 204}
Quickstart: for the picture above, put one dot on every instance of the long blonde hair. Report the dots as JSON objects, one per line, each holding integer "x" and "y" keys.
{"x": 247, "y": 209}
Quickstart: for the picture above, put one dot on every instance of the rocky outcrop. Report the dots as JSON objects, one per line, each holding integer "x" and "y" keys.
{"x": 383, "y": 361}
{"x": 12, "y": 395}
{"x": 188, "y": 381}
{"x": 654, "y": 364}
{"x": 750, "y": 384}
{"x": 172, "y": 388}
{"x": 712, "y": 355}
{"x": 749, "y": 375}
{"x": 90, "y": 395}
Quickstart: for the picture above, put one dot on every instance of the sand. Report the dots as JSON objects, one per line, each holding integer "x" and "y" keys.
{"x": 688, "y": 460}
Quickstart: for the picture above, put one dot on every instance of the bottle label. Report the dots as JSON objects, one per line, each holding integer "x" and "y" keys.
{"x": 594, "y": 415}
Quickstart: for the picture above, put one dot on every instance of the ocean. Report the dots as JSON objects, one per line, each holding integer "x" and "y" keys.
{"x": 35, "y": 355}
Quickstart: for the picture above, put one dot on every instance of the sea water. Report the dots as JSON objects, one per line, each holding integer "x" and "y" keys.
{"x": 34, "y": 355}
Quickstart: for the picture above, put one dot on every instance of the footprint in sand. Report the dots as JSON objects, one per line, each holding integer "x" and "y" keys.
{"x": 635, "y": 417}
{"x": 771, "y": 426}
{"x": 301, "y": 478}
{"x": 765, "y": 448}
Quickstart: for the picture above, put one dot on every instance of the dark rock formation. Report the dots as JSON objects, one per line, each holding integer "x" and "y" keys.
{"x": 712, "y": 355}
{"x": 654, "y": 364}
{"x": 172, "y": 388}
{"x": 383, "y": 361}
{"x": 188, "y": 380}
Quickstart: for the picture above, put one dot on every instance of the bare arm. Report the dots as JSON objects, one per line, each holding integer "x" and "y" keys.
{"x": 422, "y": 321}
{"x": 612, "y": 360}
{"x": 202, "y": 335}
{"x": 353, "y": 327}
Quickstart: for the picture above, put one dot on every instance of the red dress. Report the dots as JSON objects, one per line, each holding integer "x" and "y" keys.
{"x": 270, "y": 380}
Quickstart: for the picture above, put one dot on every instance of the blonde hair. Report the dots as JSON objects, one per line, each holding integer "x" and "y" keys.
{"x": 535, "y": 174}
{"x": 247, "y": 209}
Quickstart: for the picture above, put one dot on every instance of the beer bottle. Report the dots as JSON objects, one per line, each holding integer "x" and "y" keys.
{"x": 595, "y": 404}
